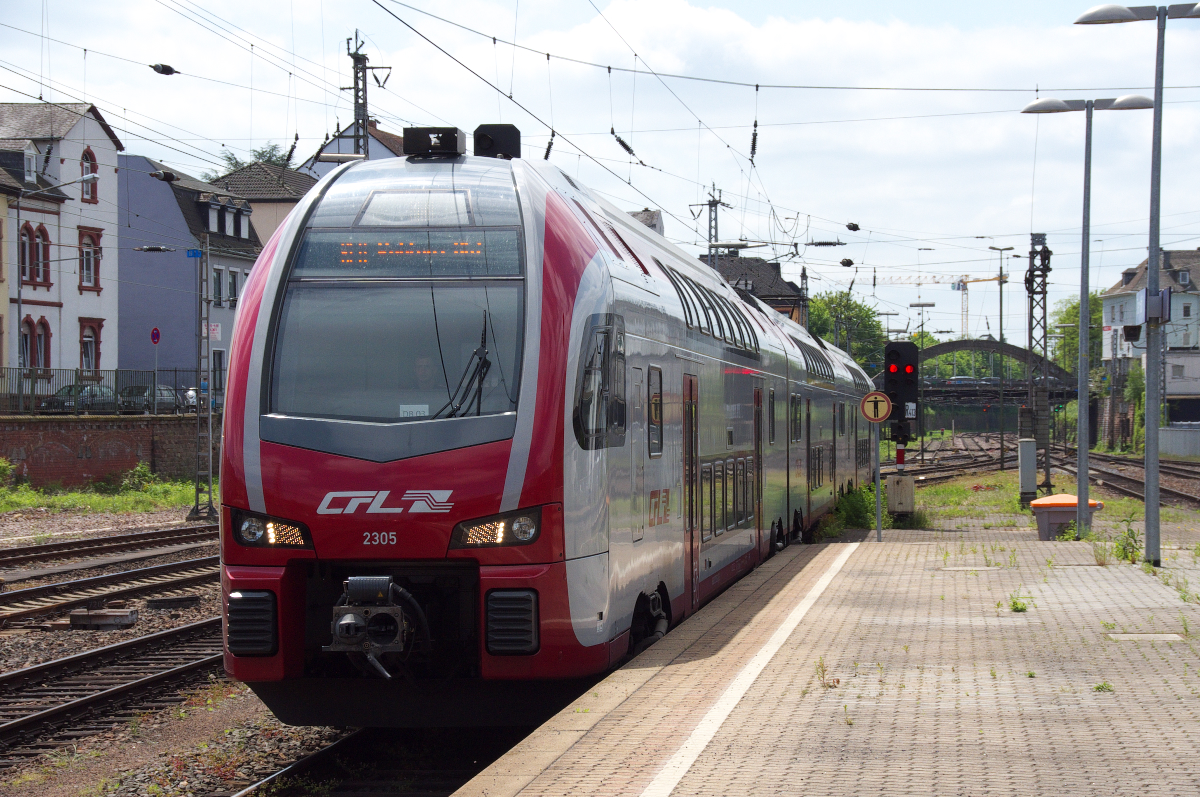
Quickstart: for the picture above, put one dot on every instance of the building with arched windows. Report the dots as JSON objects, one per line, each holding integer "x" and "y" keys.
{"x": 58, "y": 246}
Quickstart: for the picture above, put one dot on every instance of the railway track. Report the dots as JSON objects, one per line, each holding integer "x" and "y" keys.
{"x": 1183, "y": 470}
{"x": 23, "y": 604}
{"x": 97, "y": 546}
{"x": 49, "y": 705}
{"x": 1123, "y": 483}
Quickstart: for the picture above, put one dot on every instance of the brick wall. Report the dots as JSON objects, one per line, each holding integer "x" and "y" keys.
{"x": 72, "y": 451}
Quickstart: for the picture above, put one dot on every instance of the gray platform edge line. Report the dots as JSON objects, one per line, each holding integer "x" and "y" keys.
{"x": 517, "y": 768}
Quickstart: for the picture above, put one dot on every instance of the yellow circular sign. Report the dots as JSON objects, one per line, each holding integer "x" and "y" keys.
{"x": 875, "y": 407}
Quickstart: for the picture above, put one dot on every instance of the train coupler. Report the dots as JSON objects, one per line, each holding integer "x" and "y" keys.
{"x": 370, "y": 620}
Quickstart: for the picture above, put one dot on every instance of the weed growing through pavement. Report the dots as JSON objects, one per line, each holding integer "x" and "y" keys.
{"x": 1108, "y": 626}
{"x": 1050, "y": 562}
{"x": 1148, "y": 568}
{"x": 906, "y": 648}
{"x": 1183, "y": 621}
{"x": 1012, "y": 559}
{"x": 1069, "y": 533}
{"x": 823, "y": 675}
{"x": 846, "y": 714}
{"x": 1128, "y": 546}
{"x": 1103, "y": 686}
{"x": 1031, "y": 674}
{"x": 1102, "y": 550}
{"x": 1018, "y": 602}
{"x": 1195, "y": 553}
{"x": 993, "y": 672}
{"x": 880, "y": 666}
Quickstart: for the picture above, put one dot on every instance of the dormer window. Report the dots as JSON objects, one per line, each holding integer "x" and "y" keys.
{"x": 1185, "y": 278}
{"x": 31, "y": 165}
{"x": 221, "y": 221}
{"x": 245, "y": 219}
{"x": 212, "y": 217}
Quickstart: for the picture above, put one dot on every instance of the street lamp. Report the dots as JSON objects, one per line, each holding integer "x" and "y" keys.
{"x": 1000, "y": 277}
{"x": 22, "y": 354}
{"x": 1106, "y": 14}
{"x": 1129, "y": 102}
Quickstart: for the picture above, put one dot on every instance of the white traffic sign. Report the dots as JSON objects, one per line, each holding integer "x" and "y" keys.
{"x": 875, "y": 407}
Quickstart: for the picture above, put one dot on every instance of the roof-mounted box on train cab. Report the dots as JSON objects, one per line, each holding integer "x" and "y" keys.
{"x": 435, "y": 142}
{"x": 498, "y": 141}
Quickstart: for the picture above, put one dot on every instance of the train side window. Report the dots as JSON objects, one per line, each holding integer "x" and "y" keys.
{"x": 599, "y": 415}
{"x": 842, "y": 419}
{"x": 739, "y": 493}
{"x": 797, "y": 418}
{"x": 749, "y": 492}
{"x": 718, "y": 499}
{"x": 771, "y": 416}
{"x": 730, "y": 495}
{"x": 654, "y": 426}
{"x": 706, "y": 503}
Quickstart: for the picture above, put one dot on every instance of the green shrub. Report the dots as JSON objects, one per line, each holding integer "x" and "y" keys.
{"x": 856, "y": 509}
{"x": 6, "y": 473}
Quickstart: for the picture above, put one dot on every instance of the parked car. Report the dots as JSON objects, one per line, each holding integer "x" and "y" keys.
{"x": 94, "y": 399}
{"x": 990, "y": 381}
{"x": 962, "y": 381}
{"x": 189, "y": 400}
{"x": 136, "y": 399}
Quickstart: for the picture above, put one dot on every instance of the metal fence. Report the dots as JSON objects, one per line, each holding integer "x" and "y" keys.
{"x": 63, "y": 391}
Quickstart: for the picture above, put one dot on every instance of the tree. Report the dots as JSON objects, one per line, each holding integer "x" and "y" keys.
{"x": 1065, "y": 352}
{"x": 840, "y": 309}
{"x": 270, "y": 152}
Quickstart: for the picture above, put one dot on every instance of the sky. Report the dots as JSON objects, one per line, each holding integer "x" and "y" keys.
{"x": 932, "y": 177}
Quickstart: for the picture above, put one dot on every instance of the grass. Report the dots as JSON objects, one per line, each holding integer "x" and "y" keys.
{"x": 1103, "y": 686}
{"x": 134, "y": 491}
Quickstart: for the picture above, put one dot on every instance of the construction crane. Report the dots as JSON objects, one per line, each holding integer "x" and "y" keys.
{"x": 955, "y": 283}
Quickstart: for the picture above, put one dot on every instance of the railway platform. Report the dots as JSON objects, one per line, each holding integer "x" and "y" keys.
{"x": 901, "y": 667}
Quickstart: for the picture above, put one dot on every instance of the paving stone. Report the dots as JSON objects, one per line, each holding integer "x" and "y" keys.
{"x": 941, "y": 687}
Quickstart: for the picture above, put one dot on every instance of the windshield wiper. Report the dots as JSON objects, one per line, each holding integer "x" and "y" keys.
{"x": 470, "y": 384}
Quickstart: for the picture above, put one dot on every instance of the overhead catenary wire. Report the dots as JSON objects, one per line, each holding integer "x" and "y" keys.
{"x": 796, "y": 86}
{"x": 516, "y": 102}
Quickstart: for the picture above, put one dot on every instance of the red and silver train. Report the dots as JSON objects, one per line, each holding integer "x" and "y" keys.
{"x": 486, "y": 434}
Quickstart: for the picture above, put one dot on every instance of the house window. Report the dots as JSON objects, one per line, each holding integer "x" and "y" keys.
{"x": 30, "y": 166}
{"x": 1177, "y": 372}
{"x": 89, "y": 343}
{"x": 212, "y": 218}
{"x": 88, "y": 165}
{"x": 23, "y": 252}
{"x": 87, "y": 262}
{"x": 218, "y": 369}
{"x": 218, "y": 282}
{"x": 1185, "y": 278}
{"x": 1112, "y": 313}
{"x": 245, "y": 217}
{"x": 41, "y": 345}
{"x": 1187, "y": 309}
{"x": 221, "y": 221}
{"x": 1122, "y": 313}
{"x": 233, "y": 286}
{"x": 23, "y": 354}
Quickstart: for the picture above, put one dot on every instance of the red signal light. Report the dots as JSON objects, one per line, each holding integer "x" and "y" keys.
{"x": 893, "y": 368}
{"x": 908, "y": 369}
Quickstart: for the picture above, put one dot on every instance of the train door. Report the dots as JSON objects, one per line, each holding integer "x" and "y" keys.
{"x": 833, "y": 449}
{"x": 755, "y": 475}
{"x": 813, "y": 448}
{"x": 637, "y": 458}
{"x": 691, "y": 487}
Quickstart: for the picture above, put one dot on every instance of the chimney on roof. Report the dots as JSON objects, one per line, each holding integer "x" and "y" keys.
{"x": 1127, "y": 275}
{"x": 373, "y": 124}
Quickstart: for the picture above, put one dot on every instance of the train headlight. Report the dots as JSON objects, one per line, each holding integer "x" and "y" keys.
{"x": 511, "y": 528}
{"x": 261, "y": 531}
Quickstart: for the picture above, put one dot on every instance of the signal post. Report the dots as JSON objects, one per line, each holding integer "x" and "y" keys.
{"x": 900, "y": 374}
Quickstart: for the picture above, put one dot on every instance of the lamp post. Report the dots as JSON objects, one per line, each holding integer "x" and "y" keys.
{"x": 1000, "y": 277}
{"x": 21, "y": 354}
{"x": 1102, "y": 15}
{"x": 1129, "y": 102}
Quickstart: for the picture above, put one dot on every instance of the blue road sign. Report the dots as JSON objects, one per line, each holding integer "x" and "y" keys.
{"x": 194, "y": 253}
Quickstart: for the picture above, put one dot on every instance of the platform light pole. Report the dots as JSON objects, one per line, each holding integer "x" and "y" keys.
{"x": 1000, "y": 282}
{"x": 1108, "y": 14}
{"x": 1129, "y": 102}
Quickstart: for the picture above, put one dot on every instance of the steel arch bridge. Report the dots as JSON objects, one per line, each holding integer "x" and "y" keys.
{"x": 995, "y": 347}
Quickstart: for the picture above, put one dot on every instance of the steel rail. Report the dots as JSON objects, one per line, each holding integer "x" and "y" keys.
{"x": 50, "y": 598}
{"x": 94, "y": 546}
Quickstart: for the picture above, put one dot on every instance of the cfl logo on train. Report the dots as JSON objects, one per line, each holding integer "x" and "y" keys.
{"x": 660, "y": 507}
{"x": 423, "y": 501}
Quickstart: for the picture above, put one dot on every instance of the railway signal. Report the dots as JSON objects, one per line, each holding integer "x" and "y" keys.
{"x": 901, "y": 376}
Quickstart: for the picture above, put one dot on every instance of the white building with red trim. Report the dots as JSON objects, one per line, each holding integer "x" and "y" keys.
{"x": 59, "y": 247}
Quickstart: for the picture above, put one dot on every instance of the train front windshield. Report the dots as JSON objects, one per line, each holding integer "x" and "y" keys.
{"x": 405, "y": 300}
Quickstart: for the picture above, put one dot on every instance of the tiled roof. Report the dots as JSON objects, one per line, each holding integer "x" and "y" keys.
{"x": 753, "y": 274}
{"x": 392, "y": 141}
{"x": 266, "y": 181}
{"x": 42, "y": 120}
{"x": 12, "y": 177}
{"x": 1168, "y": 276}
{"x": 193, "y": 197}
